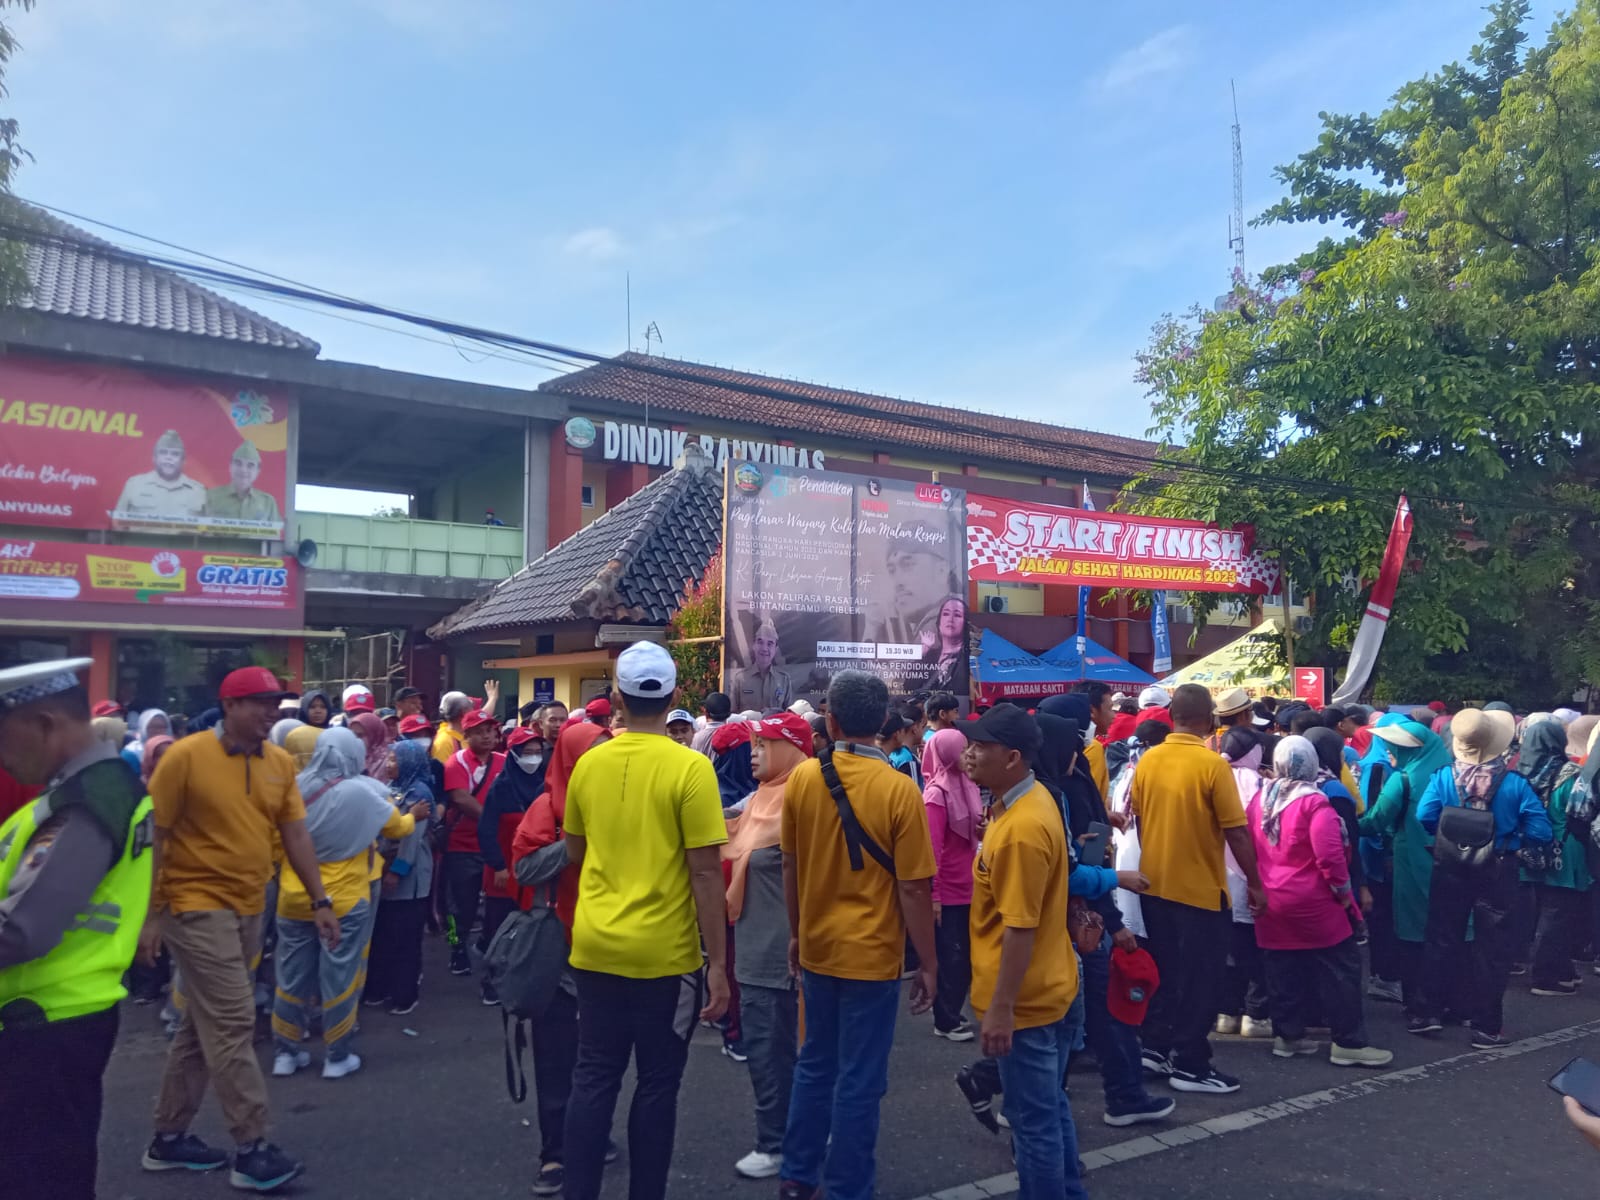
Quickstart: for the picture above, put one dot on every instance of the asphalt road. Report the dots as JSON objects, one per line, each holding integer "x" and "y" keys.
{"x": 428, "y": 1116}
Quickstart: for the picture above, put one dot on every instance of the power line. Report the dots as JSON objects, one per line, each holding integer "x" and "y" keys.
{"x": 283, "y": 290}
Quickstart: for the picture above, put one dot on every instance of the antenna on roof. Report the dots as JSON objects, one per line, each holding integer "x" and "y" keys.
{"x": 628, "y": 283}
{"x": 652, "y": 333}
{"x": 1236, "y": 218}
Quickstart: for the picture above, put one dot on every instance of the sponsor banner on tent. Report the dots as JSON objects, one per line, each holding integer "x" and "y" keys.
{"x": 77, "y": 572}
{"x": 1013, "y": 542}
{"x": 826, "y": 571}
{"x": 84, "y": 446}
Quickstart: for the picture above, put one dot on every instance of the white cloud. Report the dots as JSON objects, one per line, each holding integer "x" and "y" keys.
{"x": 597, "y": 243}
{"x": 1160, "y": 54}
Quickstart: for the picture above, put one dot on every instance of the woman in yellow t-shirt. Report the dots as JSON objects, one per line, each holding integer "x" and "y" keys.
{"x": 345, "y": 813}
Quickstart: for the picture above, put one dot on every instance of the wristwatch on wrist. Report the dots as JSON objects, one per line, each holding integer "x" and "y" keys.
{"x": 323, "y": 903}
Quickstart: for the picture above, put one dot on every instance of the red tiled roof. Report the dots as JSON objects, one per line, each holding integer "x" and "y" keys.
{"x": 881, "y": 422}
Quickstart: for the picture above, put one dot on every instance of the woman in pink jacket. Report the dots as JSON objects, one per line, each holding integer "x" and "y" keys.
{"x": 1307, "y": 934}
{"x": 955, "y": 816}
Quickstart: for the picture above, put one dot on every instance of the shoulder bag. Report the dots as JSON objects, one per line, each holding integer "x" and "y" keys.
{"x": 856, "y": 839}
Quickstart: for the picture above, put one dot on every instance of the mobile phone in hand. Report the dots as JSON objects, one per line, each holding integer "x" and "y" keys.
{"x": 1580, "y": 1079}
{"x": 1092, "y": 850}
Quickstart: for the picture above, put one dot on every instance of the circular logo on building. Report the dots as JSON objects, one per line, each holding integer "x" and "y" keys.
{"x": 166, "y": 564}
{"x": 580, "y": 433}
{"x": 747, "y": 477}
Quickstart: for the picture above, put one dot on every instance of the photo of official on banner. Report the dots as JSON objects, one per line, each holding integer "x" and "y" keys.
{"x": 1010, "y": 541}
{"x": 825, "y": 571}
{"x": 99, "y": 447}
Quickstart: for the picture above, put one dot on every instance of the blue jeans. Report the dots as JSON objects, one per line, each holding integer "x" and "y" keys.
{"x": 1116, "y": 1045}
{"x": 1042, "y": 1135}
{"x": 841, "y": 1075}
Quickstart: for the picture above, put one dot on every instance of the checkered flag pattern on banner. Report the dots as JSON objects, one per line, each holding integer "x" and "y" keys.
{"x": 985, "y": 548}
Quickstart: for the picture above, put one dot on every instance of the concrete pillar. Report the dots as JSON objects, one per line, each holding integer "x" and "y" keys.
{"x": 102, "y": 672}
{"x": 565, "y": 492}
{"x": 536, "y": 449}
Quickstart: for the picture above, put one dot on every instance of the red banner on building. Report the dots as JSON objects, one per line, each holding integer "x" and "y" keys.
{"x": 84, "y": 446}
{"x": 77, "y": 572}
{"x": 1012, "y": 542}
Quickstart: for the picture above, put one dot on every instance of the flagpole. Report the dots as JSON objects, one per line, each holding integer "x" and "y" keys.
{"x": 1288, "y": 634}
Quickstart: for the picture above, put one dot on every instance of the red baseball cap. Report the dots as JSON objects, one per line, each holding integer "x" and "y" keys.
{"x": 726, "y": 737}
{"x": 475, "y": 718}
{"x": 253, "y": 682}
{"x": 106, "y": 708}
{"x": 415, "y": 723}
{"x": 599, "y": 707}
{"x": 1134, "y": 979}
{"x": 791, "y": 727}
{"x": 520, "y": 737}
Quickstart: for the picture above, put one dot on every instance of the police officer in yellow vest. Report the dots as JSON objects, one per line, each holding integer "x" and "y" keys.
{"x": 75, "y": 870}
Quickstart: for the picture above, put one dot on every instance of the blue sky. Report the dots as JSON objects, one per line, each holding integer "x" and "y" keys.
{"x": 985, "y": 206}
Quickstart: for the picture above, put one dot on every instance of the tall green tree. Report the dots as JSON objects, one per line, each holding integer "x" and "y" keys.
{"x": 13, "y": 276}
{"x": 1444, "y": 345}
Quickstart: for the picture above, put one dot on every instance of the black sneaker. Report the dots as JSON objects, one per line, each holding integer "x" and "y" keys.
{"x": 790, "y": 1190}
{"x": 1420, "y": 1025}
{"x": 963, "y": 1032}
{"x": 185, "y": 1153}
{"x": 549, "y": 1181}
{"x": 1151, "y": 1108}
{"x": 1554, "y": 989}
{"x": 1518, "y": 968}
{"x": 490, "y": 996}
{"x": 265, "y": 1168}
{"x": 1155, "y": 1062}
{"x": 735, "y": 1051}
{"x": 979, "y": 1098}
{"x": 460, "y": 963}
{"x": 1209, "y": 1080}
{"x": 1489, "y": 1041}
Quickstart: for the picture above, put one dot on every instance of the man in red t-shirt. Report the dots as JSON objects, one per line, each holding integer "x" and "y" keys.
{"x": 468, "y": 776}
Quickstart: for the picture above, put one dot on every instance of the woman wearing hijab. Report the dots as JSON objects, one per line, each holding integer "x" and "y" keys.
{"x": 1331, "y": 769}
{"x": 154, "y": 748}
{"x": 955, "y": 816}
{"x": 1482, "y": 896}
{"x": 1063, "y": 769}
{"x": 1307, "y": 944}
{"x": 283, "y": 728}
{"x": 730, "y": 755}
{"x": 345, "y": 813}
{"x": 316, "y": 709}
{"x": 394, "y": 968}
{"x": 152, "y": 723}
{"x": 374, "y": 737}
{"x": 768, "y": 1002}
{"x": 511, "y": 794}
{"x": 301, "y": 743}
{"x": 1075, "y": 707}
{"x": 552, "y": 881}
{"x": 1415, "y": 753}
{"x": 1245, "y": 1009}
{"x": 1385, "y": 954}
{"x": 1562, "y": 886}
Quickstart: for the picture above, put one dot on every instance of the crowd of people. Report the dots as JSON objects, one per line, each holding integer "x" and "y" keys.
{"x": 1124, "y": 875}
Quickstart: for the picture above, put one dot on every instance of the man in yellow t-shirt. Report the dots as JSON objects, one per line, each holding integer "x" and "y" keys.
{"x": 1024, "y": 968}
{"x": 850, "y": 913}
{"x": 219, "y": 797}
{"x": 1188, "y": 806}
{"x": 644, "y": 825}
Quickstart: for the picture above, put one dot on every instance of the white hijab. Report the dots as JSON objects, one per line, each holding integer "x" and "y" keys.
{"x": 345, "y": 810}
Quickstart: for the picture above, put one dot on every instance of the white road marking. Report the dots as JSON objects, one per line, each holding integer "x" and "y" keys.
{"x": 1248, "y": 1118}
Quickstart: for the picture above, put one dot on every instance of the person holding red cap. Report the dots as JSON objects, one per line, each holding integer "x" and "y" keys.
{"x": 468, "y": 776}
{"x": 218, "y": 798}
{"x": 769, "y": 1003}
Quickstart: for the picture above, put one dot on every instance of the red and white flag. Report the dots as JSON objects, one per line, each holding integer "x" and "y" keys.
{"x": 1380, "y": 605}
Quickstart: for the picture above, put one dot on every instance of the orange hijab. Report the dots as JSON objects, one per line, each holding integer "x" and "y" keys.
{"x": 762, "y": 820}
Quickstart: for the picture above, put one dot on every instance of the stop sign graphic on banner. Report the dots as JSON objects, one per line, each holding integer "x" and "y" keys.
{"x": 1310, "y": 685}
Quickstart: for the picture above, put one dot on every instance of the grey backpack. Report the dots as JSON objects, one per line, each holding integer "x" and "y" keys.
{"x": 524, "y": 964}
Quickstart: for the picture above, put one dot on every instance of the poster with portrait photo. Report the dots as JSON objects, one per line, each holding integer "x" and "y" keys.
{"x": 825, "y": 571}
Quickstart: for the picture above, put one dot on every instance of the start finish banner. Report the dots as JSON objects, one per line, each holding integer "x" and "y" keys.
{"x": 1013, "y": 542}
{"x": 75, "y": 572}
{"x": 84, "y": 446}
{"x": 825, "y": 571}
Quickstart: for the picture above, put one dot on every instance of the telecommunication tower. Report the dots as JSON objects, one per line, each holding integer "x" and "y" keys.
{"x": 1236, "y": 219}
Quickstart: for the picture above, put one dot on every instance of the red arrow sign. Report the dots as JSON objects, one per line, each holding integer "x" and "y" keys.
{"x": 1310, "y": 685}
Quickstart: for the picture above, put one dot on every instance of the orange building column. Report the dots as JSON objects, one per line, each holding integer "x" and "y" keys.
{"x": 1119, "y": 635}
{"x": 566, "y": 488}
{"x": 622, "y": 481}
{"x": 103, "y": 649}
{"x": 295, "y": 673}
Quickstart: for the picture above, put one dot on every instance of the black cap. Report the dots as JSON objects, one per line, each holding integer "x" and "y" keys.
{"x": 406, "y": 693}
{"x": 1008, "y": 726}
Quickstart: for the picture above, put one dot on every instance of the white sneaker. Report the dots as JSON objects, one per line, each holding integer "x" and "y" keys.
{"x": 348, "y": 1065}
{"x": 1284, "y": 1048}
{"x": 287, "y": 1062}
{"x": 759, "y": 1165}
{"x": 1252, "y": 1028}
{"x": 1227, "y": 1025}
{"x": 1364, "y": 1056}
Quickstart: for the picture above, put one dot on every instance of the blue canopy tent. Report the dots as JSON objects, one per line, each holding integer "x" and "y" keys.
{"x": 1008, "y": 672}
{"x": 1098, "y": 664}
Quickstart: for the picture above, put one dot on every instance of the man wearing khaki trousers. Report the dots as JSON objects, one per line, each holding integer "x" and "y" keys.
{"x": 219, "y": 795}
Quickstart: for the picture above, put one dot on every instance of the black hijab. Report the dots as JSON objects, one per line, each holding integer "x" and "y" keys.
{"x": 735, "y": 779}
{"x": 305, "y": 704}
{"x": 515, "y": 788}
{"x": 1062, "y": 768}
{"x": 1329, "y": 747}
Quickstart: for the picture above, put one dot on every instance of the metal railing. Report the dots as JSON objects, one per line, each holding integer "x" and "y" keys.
{"x": 402, "y": 546}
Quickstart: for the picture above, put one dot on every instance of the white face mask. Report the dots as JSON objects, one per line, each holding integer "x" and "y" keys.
{"x": 529, "y": 762}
